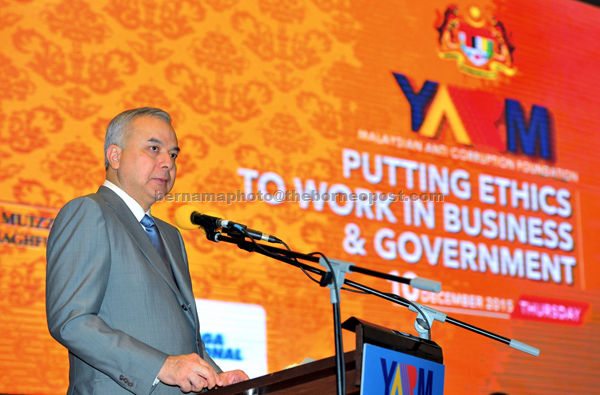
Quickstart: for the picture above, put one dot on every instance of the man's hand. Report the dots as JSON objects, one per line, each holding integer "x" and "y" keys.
{"x": 191, "y": 373}
{"x": 233, "y": 376}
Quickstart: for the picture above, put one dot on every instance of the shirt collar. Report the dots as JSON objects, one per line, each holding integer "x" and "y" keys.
{"x": 134, "y": 206}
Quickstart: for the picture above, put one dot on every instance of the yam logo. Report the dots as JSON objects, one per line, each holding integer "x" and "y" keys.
{"x": 476, "y": 118}
{"x": 402, "y": 379}
{"x": 480, "y": 43}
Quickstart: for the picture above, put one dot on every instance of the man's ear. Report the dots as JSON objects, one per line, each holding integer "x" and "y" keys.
{"x": 113, "y": 154}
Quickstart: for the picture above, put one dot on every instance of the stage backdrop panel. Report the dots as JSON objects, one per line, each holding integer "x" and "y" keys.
{"x": 456, "y": 141}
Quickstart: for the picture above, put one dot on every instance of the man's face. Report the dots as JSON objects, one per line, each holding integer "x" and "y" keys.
{"x": 146, "y": 165}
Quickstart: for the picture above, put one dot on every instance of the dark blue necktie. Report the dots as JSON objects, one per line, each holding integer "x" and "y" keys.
{"x": 152, "y": 232}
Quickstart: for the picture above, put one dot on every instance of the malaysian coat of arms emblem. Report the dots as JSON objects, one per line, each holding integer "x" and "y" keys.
{"x": 478, "y": 42}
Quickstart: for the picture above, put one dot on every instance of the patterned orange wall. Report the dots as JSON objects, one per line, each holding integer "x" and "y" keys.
{"x": 284, "y": 86}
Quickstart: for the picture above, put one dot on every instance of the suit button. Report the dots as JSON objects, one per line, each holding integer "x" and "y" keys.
{"x": 184, "y": 307}
{"x": 130, "y": 384}
{"x": 121, "y": 377}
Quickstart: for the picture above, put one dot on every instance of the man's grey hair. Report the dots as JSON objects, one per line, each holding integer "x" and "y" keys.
{"x": 119, "y": 127}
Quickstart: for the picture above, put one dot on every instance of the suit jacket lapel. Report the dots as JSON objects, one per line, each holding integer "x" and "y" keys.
{"x": 133, "y": 227}
{"x": 180, "y": 272}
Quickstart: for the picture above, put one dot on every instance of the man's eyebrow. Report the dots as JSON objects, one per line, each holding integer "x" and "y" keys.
{"x": 157, "y": 141}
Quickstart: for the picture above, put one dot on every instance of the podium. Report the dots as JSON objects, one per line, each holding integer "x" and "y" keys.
{"x": 319, "y": 377}
{"x": 312, "y": 378}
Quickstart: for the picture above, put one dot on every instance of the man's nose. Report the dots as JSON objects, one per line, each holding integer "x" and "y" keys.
{"x": 167, "y": 162}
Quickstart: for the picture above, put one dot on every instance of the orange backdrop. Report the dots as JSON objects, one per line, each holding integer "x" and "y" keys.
{"x": 285, "y": 87}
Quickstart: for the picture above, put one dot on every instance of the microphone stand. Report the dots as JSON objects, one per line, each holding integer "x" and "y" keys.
{"x": 335, "y": 279}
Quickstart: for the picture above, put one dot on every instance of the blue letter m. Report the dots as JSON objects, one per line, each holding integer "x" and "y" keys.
{"x": 538, "y": 131}
{"x": 425, "y": 385}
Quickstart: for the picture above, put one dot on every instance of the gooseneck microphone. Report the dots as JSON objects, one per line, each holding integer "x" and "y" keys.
{"x": 188, "y": 217}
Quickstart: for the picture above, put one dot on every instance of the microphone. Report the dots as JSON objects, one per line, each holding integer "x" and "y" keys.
{"x": 187, "y": 217}
{"x": 208, "y": 224}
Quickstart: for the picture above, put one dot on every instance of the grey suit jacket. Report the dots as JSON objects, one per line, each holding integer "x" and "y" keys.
{"x": 111, "y": 301}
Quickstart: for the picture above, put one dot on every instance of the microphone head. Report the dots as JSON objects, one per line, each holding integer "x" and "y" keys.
{"x": 183, "y": 217}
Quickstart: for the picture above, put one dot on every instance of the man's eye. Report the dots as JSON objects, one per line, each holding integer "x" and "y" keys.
{"x": 154, "y": 148}
{"x": 174, "y": 156}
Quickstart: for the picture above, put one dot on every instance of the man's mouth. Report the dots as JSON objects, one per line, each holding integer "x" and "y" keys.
{"x": 162, "y": 181}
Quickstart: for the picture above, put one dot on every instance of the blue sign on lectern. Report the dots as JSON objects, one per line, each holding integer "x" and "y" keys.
{"x": 388, "y": 372}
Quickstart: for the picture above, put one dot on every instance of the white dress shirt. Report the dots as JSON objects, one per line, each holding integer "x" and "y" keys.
{"x": 134, "y": 206}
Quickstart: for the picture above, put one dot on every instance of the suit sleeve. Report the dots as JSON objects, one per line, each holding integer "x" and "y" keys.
{"x": 79, "y": 263}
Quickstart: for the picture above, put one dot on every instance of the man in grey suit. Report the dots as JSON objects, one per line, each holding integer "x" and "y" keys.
{"x": 118, "y": 288}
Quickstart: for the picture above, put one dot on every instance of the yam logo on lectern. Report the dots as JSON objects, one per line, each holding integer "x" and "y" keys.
{"x": 389, "y": 372}
{"x": 403, "y": 379}
{"x": 479, "y": 42}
